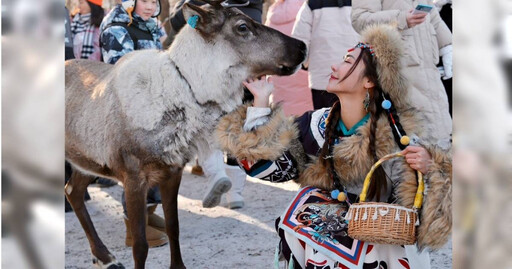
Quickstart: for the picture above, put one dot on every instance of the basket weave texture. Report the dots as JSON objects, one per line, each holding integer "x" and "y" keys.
{"x": 384, "y": 223}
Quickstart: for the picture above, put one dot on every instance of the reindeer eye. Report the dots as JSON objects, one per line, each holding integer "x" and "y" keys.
{"x": 243, "y": 28}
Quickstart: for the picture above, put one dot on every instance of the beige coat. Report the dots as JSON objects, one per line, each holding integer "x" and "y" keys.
{"x": 422, "y": 44}
{"x": 328, "y": 33}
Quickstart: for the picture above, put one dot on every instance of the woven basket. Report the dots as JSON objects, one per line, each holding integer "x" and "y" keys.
{"x": 384, "y": 223}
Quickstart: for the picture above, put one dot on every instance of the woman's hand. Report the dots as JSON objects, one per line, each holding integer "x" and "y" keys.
{"x": 261, "y": 89}
{"x": 418, "y": 158}
{"x": 415, "y": 19}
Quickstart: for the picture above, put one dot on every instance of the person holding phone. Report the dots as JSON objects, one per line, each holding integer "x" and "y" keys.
{"x": 426, "y": 38}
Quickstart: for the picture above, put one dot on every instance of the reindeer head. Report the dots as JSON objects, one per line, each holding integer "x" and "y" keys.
{"x": 263, "y": 50}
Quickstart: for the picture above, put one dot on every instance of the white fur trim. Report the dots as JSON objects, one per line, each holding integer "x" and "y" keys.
{"x": 255, "y": 117}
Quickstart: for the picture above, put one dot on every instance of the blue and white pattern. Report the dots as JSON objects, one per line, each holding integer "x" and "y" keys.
{"x": 280, "y": 170}
{"x": 318, "y": 124}
{"x": 115, "y": 39}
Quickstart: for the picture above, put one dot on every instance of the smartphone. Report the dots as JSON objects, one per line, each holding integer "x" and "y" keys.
{"x": 422, "y": 9}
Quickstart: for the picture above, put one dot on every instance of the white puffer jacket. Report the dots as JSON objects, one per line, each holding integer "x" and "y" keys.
{"x": 422, "y": 46}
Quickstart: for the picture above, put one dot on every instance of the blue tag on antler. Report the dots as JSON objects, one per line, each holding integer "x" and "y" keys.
{"x": 192, "y": 21}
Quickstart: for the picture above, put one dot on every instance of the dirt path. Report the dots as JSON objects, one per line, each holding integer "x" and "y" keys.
{"x": 210, "y": 238}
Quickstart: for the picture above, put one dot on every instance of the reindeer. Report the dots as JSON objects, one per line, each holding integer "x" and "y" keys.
{"x": 141, "y": 120}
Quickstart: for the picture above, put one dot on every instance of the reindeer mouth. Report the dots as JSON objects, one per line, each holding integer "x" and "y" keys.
{"x": 286, "y": 69}
{"x": 279, "y": 70}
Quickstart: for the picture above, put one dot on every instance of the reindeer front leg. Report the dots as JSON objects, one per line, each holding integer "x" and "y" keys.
{"x": 135, "y": 190}
{"x": 169, "y": 188}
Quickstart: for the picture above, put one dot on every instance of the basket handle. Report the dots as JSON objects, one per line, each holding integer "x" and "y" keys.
{"x": 418, "y": 199}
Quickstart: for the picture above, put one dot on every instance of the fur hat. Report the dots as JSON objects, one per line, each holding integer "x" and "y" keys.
{"x": 387, "y": 45}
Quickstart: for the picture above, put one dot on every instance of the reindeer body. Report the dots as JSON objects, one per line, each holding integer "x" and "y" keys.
{"x": 139, "y": 121}
{"x": 146, "y": 103}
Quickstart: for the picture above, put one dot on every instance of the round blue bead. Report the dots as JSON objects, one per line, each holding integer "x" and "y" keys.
{"x": 386, "y": 104}
{"x": 334, "y": 194}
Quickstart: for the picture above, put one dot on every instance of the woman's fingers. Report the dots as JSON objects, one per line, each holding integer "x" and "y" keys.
{"x": 417, "y": 157}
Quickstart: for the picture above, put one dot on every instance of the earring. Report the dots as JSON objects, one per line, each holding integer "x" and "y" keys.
{"x": 366, "y": 101}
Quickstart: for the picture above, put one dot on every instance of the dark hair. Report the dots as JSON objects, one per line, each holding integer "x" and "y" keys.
{"x": 379, "y": 181}
{"x": 97, "y": 14}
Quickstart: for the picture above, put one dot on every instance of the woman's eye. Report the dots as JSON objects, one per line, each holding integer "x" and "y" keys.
{"x": 243, "y": 28}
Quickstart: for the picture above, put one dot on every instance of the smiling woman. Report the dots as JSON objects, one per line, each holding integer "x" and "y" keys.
{"x": 329, "y": 152}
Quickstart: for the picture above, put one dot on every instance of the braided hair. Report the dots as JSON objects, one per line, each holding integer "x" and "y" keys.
{"x": 379, "y": 181}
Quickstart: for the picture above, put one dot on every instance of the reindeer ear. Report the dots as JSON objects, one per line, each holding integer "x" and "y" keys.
{"x": 195, "y": 16}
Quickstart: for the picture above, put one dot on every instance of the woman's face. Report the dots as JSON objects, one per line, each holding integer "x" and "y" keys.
{"x": 354, "y": 81}
{"x": 84, "y": 7}
{"x": 145, "y": 8}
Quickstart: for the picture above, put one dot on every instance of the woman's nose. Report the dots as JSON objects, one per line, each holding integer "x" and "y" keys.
{"x": 333, "y": 68}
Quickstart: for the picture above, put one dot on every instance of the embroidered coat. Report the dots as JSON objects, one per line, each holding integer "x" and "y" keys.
{"x": 287, "y": 149}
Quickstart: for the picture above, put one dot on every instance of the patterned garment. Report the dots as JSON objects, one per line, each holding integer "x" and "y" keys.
{"x": 280, "y": 170}
{"x": 84, "y": 35}
{"x": 313, "y": 234}
{"x": 116, "y": 40}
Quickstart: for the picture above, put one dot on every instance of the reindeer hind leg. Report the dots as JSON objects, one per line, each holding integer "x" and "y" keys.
{"x": 75, "y": 190}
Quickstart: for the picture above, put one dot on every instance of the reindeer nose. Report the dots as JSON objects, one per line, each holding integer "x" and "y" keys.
{"x": 302, "y": 47}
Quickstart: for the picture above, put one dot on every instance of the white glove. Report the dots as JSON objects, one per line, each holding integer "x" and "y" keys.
{"x": 446, "y": 57}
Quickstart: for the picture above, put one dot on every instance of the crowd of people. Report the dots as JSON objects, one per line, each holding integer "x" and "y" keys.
{"x": 370, "y": 86}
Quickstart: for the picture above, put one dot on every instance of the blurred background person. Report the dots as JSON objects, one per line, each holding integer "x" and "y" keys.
{"x": 426, "y": 37}
{"x": 130, "y": 26}
{"x": 291, "y": 91}
{"x": 445, "y": 11}
{"x": 85, "y": 28}
{"x": 326, "y": 29}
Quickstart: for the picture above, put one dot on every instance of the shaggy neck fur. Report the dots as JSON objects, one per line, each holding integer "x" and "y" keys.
{"x": 209, "y": 65}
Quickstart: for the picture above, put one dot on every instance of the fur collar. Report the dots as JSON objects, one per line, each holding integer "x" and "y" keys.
{"x": 351, "y": 157}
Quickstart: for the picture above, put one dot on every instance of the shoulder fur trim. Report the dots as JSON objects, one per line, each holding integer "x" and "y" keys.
{"x": 266, "y": 142}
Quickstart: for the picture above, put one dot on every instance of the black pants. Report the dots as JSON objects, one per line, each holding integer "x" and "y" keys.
{"x": 507, "y": 67}
{"x": 322, "y": 98}
{"x": 448, "y": 88}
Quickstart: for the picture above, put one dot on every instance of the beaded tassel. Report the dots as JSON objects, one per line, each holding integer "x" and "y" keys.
{"x": 291, "y": 264}
{"x": 349, "y": 215}
{"x": 276, "y": 258}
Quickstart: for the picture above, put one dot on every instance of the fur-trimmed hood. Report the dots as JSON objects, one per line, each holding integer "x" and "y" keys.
{"x": 386, "y": 41}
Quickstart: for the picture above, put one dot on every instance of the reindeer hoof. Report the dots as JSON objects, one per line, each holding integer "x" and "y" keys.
{"x": 111, "y": 265}
{"x": 116, "y": 266}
